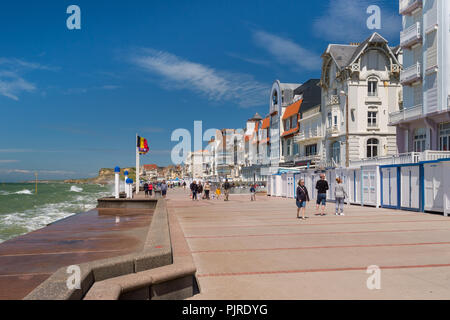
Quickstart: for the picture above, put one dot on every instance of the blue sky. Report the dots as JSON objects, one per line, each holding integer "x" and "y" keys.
{"x": 72, "y": 100}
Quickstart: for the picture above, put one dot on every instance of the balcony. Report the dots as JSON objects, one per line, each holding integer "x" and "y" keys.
{"x": 407, "y": 7}
{"x": 334, "y": 100}
{"x": 308, "y": 159}
{"x": 333, "y": 131}
{"x": 308, "y": 135}
{"x": 411, "y": 36}
{"x": 411, "y": 75}
{"x": 402, "y": 158}
{"x": 407, "y": 114}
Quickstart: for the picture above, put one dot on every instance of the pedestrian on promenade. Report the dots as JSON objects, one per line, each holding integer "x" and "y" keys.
{"x": 301, "y": 198}
{"x": 207, "y": 190}
{"x": 193, "y": 188}
{"x": 218, "y": 192}
{"x": 322, "y": 187}
{"x": 200, "y": 190}
{"x": 164, "y": 189}
{"x": 146, "y": 189}
{"x": 226, "y": 188}
{"x": 253, "y": 193}
{"x": 150, "y": 189}
{"x": 340, "y": 195}
{"x": 184, "y": 185}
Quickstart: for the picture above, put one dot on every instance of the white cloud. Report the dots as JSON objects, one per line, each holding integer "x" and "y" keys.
{"x": 214, "y": 84}
{"x": 287, "y": 52}
{"x": 8, "y": 161}
{"x": 346, "y": 20}
{"x": 11, "y": 85}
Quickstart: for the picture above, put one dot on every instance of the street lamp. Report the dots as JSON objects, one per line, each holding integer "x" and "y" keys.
{"x": 347, "y": 152}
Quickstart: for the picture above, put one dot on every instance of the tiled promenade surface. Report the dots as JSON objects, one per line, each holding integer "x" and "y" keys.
{"x": 259, "y": 250}
{"x": 27, "y": 261}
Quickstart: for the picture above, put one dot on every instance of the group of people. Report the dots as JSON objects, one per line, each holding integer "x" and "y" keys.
{"x": 302, "y": 197}
{"x": 201, "y": 190}
{"x": 149, "y": 187}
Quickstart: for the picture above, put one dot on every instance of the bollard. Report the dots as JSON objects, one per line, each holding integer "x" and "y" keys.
{"x": 117, "y": 182}
{"x": 125, "y": 182}
{"x": 129, "y": 188}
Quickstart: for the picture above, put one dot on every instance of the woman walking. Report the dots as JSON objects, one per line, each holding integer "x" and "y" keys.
{"x": 340, "y": 195}
{"x": 301, "y": 198}
{"x": 207, "y": 190}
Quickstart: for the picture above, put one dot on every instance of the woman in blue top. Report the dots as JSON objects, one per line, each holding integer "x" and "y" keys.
{"x": 301, "y": 198}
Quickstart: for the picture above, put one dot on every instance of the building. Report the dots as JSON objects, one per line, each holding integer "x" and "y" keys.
{"x": 149, "y": 171}
{"x": 197, "y": 164}
{"x": 360, "y": 88}
{"x": 424, "y": 121}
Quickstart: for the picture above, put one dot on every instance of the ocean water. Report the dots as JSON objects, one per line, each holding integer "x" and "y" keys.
{"x": 23, "y": 211}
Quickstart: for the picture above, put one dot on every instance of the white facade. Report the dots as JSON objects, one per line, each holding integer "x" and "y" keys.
{"x": 368, "y": 74}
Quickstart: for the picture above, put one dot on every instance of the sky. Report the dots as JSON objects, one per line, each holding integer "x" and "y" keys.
{"x": 72, "y": 101}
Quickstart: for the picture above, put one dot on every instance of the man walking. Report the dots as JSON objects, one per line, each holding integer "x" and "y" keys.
{"x": 226, "y": 187}
{"x": 194, "y": 189}
{"x": 322, "y": 187}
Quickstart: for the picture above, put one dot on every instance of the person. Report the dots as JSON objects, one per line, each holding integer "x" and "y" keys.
{"x": 194, "y": 189}
{"x": 253, "y": 193}
{"x": 301, "y": 198}
{"x": 226, "y": 188}
{"x": 199, "y": 190}
{"x": 322, "y": 187}
{"x": 164, "y": 189}
{"x": 207, "y": 190}
{"x": 184, "y": 185}
{"x": 218, "y": 192}
{"x": 150, "y": 189}
{"x": 340, "y": 195}
{"x": 146, "y": 189}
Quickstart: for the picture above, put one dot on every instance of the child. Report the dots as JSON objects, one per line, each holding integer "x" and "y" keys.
{"x": 218, "y": 192}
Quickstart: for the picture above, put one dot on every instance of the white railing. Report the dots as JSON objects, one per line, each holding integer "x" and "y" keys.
{"x": 333, "y": 130}
{"x": 407, "y": 6}
{"x": 334, "y": 99}
{"x": 405, "y": 114}
{"x": 411, "y": 157}
{"x": 411, "y": 74}
{"x": 308, "y": 134}
{"x": 315, "y": 158}
{"x": 410, "y": 35}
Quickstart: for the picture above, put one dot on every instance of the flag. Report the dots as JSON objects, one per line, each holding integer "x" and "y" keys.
{"x": 142, "y": 145}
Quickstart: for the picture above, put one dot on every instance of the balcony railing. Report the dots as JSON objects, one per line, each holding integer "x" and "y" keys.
{"x": 405, "y": 114}
{"x": 403, "y": 158}
{"x": 406, "y": 7}
{"x": 312, "y": 158}
{"x": 411, "y": 35}
{"x": 308, "y": 135}
{"x": 411, "y": 74}
{"x": 333, "y": 130}
{"x": 334, "y": 99}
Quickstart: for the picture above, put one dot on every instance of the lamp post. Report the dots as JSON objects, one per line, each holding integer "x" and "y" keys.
{"x": 347, "y": 152}
{"x": 117, "y": 182}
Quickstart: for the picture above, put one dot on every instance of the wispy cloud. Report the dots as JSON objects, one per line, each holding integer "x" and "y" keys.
{"x": 8, "y": 161}
{"x": 75, "y": 91}
{"x": 12, "y": 81}
{"x": 215, "y": 85}
{"x": 23, "y": 171}
{"x": 286, "y": 51}
{"x": 346, "y": 20}
{"x": 15, "y": 150}
{"x": 257, "y": 61}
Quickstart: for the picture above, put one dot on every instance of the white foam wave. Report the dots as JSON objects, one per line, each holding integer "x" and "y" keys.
{"x": 4, "y": 193}
{"x": 26, "y": 191}
{"x": 76, "y": 189}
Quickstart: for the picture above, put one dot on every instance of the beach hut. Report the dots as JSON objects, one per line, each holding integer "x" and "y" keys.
{"x": 290, "y": 182}
{"x": 370, "y": 180}
{"x": 446, "y": 178}
{"x": 390, "y": 186}
{"x": 354, "y": 185}
{"x": 434, "y": 183}
{"x": 409, "y": 186}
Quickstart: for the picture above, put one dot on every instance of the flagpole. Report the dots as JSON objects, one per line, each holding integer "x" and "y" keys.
{"x": 137, "y": 168}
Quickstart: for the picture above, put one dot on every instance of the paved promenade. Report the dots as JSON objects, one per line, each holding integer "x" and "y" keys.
{"x": 259, "y": 250}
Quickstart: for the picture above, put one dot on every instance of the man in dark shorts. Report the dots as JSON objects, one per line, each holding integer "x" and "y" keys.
{"x": 322, "y": 187}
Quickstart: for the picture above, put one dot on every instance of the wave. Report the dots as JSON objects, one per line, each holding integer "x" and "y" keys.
{"x": 26, "y": 191}
{"x": 76, "y": 189}
{"x": 4, "y": 193}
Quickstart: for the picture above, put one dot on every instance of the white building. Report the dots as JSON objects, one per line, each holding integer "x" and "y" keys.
{"x": 368, "y": 75}
{"x": 424, "y": 122}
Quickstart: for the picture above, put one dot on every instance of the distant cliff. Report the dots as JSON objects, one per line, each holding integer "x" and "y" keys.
{"x": 105, "y": 176}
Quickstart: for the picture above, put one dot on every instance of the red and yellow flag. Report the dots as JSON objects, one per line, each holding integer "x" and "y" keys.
{"x": 142, "y": 145}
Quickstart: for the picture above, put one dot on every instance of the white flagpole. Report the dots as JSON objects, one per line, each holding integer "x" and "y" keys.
{"x": 137, "y": 168}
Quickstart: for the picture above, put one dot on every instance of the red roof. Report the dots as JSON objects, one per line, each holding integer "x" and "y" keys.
{"x": 266, "y": 123}
{"x": 289, "y": 132}
{"x": 293, "y": 109}
{"x": 150, "y": 166}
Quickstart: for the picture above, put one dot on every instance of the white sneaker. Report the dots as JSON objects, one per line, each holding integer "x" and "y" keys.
{"x": 342, "y": 214}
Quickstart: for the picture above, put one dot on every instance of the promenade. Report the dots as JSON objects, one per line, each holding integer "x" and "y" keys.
{"x": 259, "y": 250}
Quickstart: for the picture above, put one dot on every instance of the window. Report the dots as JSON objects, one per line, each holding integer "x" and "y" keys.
{"x": 372, "y": 88}
{"x": 296, "y": 149}
{"x": 372, "y": 119}
{"x": 420, "y": 138}
{"x": 289, "y": 141}
{"x": 372, "y": 148}
{"x": 311, "y": 150}
{"x": 444, "y": 136}
{"x": 336, "y": 152}
{"x": 330, "y": 124}
{"x": 287, "y": 124}
{"x": 335, "y": 120}
{"x": 275, "y": 98}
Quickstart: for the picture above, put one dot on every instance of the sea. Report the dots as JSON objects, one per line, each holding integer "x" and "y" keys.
{"x": 22, "y": 210}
